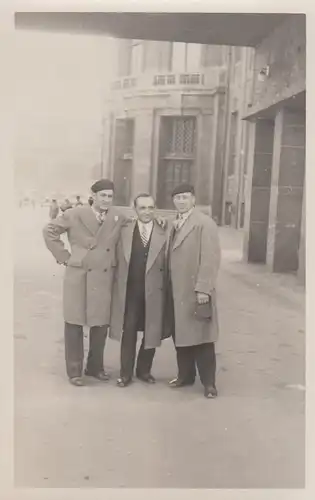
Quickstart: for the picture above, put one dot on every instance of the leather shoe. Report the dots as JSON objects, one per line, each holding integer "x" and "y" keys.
{"x": 124, "y": 382}
{"x": 149, "y": 379}
{"x": 210, "y": 392}
{"x": 103, "y": 376}
{"x": 177, "y": 382}
{"x": 77, "y": 381}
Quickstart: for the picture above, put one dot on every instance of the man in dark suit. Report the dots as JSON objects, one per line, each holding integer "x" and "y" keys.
{"x": 138, "y": 291}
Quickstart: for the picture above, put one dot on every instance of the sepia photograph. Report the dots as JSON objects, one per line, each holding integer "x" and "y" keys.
{"x": 159, "y": 250}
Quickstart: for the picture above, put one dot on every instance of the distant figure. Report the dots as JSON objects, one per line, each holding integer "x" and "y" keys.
{"x": 90, "y": 200}
{"x": 54, "y": 209}
{"x": 78, "y": 202}
{"x": 65, "y": 205}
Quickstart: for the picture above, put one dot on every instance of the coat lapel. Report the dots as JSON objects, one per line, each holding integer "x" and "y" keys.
{"x": 108, "y": 225}
{"x": 157, "y": 241}
{"x": 89, "y": 220}
{"x": 127, "y": 236}
{"x": 184, "y": 231}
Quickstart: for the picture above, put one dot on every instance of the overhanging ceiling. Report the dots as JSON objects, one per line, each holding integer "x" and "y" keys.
{"x": 213, "y": 29}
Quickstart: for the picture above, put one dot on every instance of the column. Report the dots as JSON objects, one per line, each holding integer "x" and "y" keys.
{"x": 286, "y": 192}
{"x": 142, "y": 153}
{"x": 258, "y": 190}
{"x": 205, "y": 148}
{"x": 217, "y": 159}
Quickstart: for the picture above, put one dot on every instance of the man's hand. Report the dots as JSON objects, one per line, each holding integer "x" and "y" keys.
{"x": 161, "y": 221}
{"x": 202, "y": 298}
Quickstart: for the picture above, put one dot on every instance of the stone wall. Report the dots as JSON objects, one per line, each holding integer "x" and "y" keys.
{"x": 284, "y": 51}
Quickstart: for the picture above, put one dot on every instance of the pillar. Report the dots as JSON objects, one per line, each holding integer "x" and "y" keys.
{"x": 142, "y": 153}
{"x": 286, "y": 192}
{"x": 217, "y": 159}
{"x": 257, "y": 196}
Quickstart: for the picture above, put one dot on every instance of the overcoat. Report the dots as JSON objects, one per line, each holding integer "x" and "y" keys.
{"x": 89, "y": 273}
{"x": 193, "y": 264}
{"x": 154, "y": 284}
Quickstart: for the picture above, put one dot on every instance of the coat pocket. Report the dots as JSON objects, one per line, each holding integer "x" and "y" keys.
{"x": 74, "y": 262}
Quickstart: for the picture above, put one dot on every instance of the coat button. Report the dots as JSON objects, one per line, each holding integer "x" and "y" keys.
{"x": 107, "y": 249}
{"x": 89, "y": 270}
{"x": 105, "y": 270}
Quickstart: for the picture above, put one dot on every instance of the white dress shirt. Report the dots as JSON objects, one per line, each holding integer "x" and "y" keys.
{"x": 181, "y": 219}
{"x": 147, "y": 227}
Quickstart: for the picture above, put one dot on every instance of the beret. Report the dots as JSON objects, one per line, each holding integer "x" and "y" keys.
{"x": 101, "y": 185}
{"x": 183, "y": 188}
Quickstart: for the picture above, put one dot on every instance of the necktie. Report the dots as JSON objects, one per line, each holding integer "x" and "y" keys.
{"x": 144, "y": 235}
{"x": 101, "y": 216}
{"x": 178, "y": 222}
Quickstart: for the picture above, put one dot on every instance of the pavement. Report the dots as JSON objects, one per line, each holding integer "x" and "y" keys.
{"x": 251, "y": 436}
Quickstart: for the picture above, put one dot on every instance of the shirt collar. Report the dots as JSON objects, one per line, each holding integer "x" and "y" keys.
{"x": 148, "y": 225}
{"x": 99, "y": 213}
{"x": 185, "y": 215}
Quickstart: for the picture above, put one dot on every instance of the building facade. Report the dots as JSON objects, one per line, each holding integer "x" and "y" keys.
{"x": 229, "y": 119}
{"x": 274, "y": 228}
{"x": 167, "y": 121}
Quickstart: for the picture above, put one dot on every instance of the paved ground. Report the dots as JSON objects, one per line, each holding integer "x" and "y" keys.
{"x": 252, "y": 436}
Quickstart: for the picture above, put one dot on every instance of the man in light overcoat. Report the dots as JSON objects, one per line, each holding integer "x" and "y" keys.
{"x": 92, "y": 233}
{"x": 193, "y": 259}
{"x": 137, "y": 302}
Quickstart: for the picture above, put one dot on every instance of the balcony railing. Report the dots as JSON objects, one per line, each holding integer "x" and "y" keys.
{"x": 124, "y": 83}
{"x": 209, "y": 79}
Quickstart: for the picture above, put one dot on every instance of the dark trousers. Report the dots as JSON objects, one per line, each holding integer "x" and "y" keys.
{"x": 128, "y": 356}
{"x": 202, "y": 355}
{"x": 74, "y": 351}
{"x": 134, "y": 322}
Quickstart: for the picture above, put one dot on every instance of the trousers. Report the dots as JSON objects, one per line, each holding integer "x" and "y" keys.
{"x": 202, "y": 355}
{"x": 74, "y": 350}
{"x": 128, "y": 356}
{"x": 134, "y": 321}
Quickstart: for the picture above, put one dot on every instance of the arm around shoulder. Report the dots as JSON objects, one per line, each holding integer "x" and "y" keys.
{"x": 52, "y": 232}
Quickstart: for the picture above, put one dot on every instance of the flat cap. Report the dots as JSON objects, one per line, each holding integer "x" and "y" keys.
{"x": 101, "y": 185}
{"x": 183, "y": 188}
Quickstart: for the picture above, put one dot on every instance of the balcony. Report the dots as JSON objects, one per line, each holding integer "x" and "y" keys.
{"x": 211, "y": 78}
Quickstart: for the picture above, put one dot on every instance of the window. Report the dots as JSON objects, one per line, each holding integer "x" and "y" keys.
{"x": 136, "y": 57}
{"x": 192, "y": 57}
{"x": 212, "y": 55}
{"x": 124, "y": 58}
{"x": 176, "y": 156}
{"x": 157, "y": 56}
{"x": 165, "y": 56}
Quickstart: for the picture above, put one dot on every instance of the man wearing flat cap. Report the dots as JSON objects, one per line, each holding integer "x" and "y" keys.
{"x": 92, "y": 232}
{"x": 193, "y": 259}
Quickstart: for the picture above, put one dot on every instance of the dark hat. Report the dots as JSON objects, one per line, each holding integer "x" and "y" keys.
{"x": 101, "y": 185}
{"x": 183, "y": 188}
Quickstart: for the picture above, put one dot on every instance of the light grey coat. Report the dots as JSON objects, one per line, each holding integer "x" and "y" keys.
{"x": 89, "y": 274}
{"x": 194, "y": 260}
